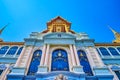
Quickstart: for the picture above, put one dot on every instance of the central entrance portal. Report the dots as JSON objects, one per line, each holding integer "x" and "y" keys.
{"x": 59, "y": 60}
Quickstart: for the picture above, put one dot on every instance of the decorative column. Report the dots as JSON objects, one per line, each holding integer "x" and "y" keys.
{"x": 70, "y": 62}
{"x": 76, "y": 55}
{"x": 47, "y": 56}
{"x": 43, "y": 55}
{"x": 72, "y": 55}
{"x": 77, "y": 68}
{"x": 43, "y": 68}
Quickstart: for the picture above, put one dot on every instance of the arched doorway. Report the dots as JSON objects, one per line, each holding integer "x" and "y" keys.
{"x": 59, "y": 60}
{"x": 84, "y": 62}
{"x": 33, "y": 68}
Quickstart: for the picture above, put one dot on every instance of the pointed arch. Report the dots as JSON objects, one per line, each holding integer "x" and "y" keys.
{"x": 59, "y": 60}
{"x": 33, "y": 68}
{"x": 84, "y": 62}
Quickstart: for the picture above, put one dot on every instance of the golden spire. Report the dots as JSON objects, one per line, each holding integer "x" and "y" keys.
{"x": 113, "y": 30}
{"x": 117, "y": 36}
{"x": 1, "y": 30}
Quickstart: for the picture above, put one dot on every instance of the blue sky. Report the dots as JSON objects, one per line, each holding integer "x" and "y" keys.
{"x": 90, "y": 16}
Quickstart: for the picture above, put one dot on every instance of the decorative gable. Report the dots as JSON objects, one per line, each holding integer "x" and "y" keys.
{"x": 58, "y": 24}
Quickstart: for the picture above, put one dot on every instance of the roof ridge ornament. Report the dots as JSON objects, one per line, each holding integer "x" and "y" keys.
{"x": 116, "y": 35}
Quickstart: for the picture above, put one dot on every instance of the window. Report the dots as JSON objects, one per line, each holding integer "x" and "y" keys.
{"x": 59, "y": 60}
{"x": 98, "y": 52}
{"x": 4, "y": 49}
{"x": 84, "y": 62}
{"x": 19, "y": 51}
{"x": 35, "y": 62}
{"x": 12, "y": 50}
{"x": 118, "y": 48}
{"x": 113, "y": 51}
{"x": 104, "y": 51}
{"x": 118, "y": 74}
{"x": 1, "y": 72}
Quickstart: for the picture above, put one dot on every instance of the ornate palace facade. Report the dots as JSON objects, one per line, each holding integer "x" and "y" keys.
{"x": 58, "y": 53}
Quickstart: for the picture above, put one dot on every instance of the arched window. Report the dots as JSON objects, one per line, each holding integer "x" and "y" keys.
{"x": 33, "y": 68}
{"x": 12, "y": 50}
{"x": 3, "y": 49}
{"x": 19, "y": 51}
{"x": 98, "y": 52}
{"x": 104, "y": 51}
{"x": 84, "y": 62}
{"x": 113, "y": 51}
{"x": 1, "y": 72}
{"x": 118, "y": 74}
{"x": 118, "y": 48}
{"x": 59, "y": 60}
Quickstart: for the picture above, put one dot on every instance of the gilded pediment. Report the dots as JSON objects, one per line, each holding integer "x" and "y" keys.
{"x": 58, "y": 20}
{"x": 58, "y": 24}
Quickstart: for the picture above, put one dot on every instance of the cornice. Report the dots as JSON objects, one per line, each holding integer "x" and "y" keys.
{"x": 107, "y": 44}
{"x": 11, "y": 43}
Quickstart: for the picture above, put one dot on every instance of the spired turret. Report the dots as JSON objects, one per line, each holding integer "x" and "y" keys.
{"x": 117, "y": 36}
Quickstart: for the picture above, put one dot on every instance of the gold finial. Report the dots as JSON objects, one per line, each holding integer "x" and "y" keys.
{"x": 117, "y": 36}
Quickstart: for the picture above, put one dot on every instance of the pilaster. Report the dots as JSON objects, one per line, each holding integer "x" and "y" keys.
{"x": 72, "y": 55}
{"x": 76, "y": 56}
{"x": 43, "y": 68}
{"x": 47, "y": 55}
{"x": 43, "y": 55}
{"x": 77, "y": 68}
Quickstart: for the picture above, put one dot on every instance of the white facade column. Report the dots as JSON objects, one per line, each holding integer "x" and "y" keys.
{"x": 47, "y": 56}
{"x": 72, "y": 55}
{"x": 76, "y": 55}
{"x": 43, "y": 55}
{"x": 70, "y": 62}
